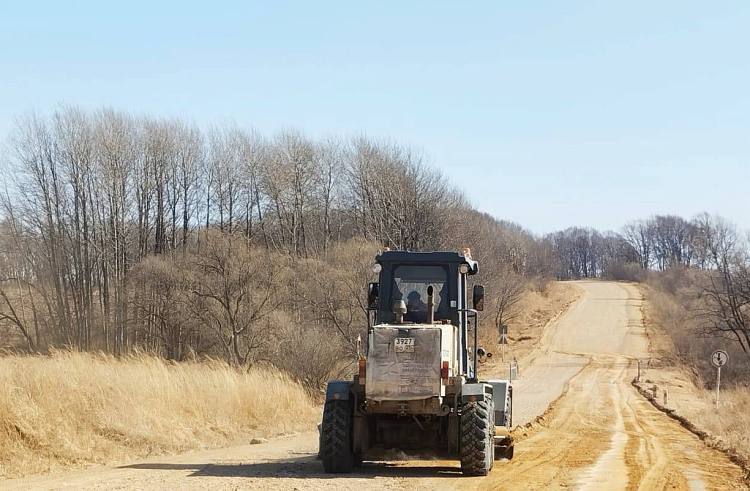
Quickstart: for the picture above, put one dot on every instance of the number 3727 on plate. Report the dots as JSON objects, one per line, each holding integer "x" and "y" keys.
{"x": 404, "y": 345}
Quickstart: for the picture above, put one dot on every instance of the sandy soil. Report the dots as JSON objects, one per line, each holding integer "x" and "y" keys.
{"x": 598, "y": 434}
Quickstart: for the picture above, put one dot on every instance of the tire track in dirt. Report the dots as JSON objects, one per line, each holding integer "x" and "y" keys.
{"x": 603, "y": 435}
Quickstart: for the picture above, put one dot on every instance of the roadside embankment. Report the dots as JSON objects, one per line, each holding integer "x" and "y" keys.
{"x": 675, "y": 386}
{"x": 733, "y": 442}
{"x": 535, "y": 312}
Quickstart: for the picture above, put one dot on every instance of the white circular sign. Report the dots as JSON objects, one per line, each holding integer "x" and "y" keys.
{"x": 719, "y": 358}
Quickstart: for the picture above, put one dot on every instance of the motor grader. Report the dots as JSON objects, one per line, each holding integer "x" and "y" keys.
{"x": 417, "y": 388}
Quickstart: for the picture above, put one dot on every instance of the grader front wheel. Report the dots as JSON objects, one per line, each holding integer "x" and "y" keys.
{"x": 336, "y": 437}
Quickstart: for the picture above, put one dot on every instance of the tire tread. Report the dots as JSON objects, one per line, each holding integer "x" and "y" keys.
{"x": 477, "y": 434}
{"x": 335, "y": 437}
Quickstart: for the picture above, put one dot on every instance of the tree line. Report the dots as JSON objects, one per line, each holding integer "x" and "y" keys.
{"x": 121, "y": 233}
{"x": 658, "y": 243}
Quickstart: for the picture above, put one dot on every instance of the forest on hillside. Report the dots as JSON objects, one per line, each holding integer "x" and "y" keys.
{"x": 122, "y": 233}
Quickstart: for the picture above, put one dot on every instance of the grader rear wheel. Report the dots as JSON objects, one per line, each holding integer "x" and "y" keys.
{"x": 477, "y": 438}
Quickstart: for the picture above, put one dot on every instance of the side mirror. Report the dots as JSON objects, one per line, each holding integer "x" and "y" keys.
{"x": 373, "y": 292}
{"x": 478, "y": 298}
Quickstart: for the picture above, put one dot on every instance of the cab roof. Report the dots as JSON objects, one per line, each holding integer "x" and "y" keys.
{"x": 437, "y": 257}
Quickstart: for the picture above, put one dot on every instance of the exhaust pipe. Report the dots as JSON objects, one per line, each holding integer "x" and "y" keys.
{"x": 430, "y": 305}
{"x": 399, "y": 310}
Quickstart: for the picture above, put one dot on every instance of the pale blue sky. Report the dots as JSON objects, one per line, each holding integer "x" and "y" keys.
{"x": 546, "y": 113}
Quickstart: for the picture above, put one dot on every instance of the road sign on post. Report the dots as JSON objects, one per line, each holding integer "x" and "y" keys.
{"x": 503, "y": 340}
{"x": 503, "y": 334}
{"x": 719, "y": 358}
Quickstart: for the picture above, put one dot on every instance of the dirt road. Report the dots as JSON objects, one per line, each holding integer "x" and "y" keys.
{"x": 598, "y": 434}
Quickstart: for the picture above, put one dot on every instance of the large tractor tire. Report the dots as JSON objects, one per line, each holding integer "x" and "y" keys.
{"x": 336, "y": 437}
{"x": 477, "y": 438}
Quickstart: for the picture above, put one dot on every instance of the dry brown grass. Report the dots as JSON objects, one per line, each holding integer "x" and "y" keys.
{"x": 73, "y": 409}
{"x": 732, "y": 421}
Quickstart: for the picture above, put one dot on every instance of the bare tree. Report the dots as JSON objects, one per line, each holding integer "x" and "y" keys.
{"x": 333, "y": 288}
{"x": 640, "y": 236}
{"x": 233, "y": 290}
{"x": 725, "y": 293}
{"x": 116, "y": 156}
{"x": 189, "y": 161}
{"x": 508, "y": 290}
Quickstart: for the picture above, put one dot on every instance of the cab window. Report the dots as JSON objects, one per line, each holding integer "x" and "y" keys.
{"x": 410, "y": 285}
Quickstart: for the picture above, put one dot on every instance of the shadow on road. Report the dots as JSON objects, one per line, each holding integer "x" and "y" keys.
{"x": 301, "y": 467}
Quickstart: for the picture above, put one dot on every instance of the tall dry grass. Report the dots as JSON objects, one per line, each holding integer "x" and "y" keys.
{"x": 731, "y": 422}
{"x": 73, "y": 409}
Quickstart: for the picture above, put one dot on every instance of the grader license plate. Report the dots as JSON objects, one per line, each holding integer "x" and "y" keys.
{"x": 404, "y": 345}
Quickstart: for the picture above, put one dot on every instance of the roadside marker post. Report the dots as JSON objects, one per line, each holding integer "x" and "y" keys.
{"x": 513, "y": 369}
{"x": 718, "y": 359}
